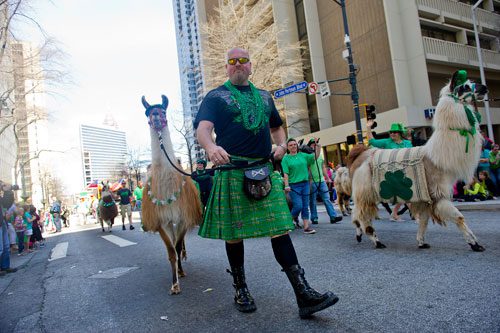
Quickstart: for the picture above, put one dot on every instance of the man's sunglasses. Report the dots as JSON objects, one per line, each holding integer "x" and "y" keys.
{"x": 241, "y": 60}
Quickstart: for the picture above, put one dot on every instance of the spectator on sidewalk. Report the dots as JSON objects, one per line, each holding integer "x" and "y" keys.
{"x": 36, "y": 239}
{"x": 319, "y": 188}
{"x": 494, "y": 160}
{"x": 55, "y": 210}
{"x": 28, "y": 222}
{"x": 487, "y": 183}
{"x": 20, "y": 228}
{"x": 475, "y": 191}
{"x": 6, "y": 201}
{"x": 484, "y": 161}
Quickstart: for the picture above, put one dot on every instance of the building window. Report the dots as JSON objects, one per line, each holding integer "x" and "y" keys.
{"x": 438, "y": 34}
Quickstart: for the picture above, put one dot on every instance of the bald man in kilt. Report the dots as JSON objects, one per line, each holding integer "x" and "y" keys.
{"x": 245, "y": 119}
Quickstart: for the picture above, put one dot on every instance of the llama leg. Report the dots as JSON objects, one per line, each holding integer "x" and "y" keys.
{"x": 172, "y": 257}
{"x": 370, "y": 232}
{"x": 179, "y": 248}
{"x": 102, "y": 224}
{"x": 423, "y": 220}
{"x": 359, "y": 231}
{"x": 445, "y": 210}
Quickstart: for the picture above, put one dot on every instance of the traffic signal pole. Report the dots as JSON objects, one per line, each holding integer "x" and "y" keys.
{"x": 352, "y": 72}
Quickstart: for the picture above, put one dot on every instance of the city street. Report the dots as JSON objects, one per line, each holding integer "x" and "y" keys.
{"x": 95, "y": 284}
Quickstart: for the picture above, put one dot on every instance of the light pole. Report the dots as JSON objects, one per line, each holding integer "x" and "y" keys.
{"x": 352, "y": 72}
{"x": 481, "y": 70}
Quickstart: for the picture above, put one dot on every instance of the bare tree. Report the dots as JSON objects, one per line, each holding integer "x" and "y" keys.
{"x": 136, "y": 163}
{"x": 28, "y": 72}
{"x": 252, "y": 27}
{"x": 187, "y": 146}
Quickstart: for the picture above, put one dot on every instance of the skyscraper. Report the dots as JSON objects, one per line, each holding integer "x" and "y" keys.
{"x": 191, "y": 78}
{"x": 104, "y": 151}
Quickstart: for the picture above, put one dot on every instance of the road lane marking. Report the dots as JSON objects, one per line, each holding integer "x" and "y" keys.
{"x": 113, "y": 273}
{"x": 118, "y": 240}
{"x": 59, "y": 251}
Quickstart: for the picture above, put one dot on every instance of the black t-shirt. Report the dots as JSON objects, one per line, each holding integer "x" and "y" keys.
{"x": 125, "y": 195}
{"x": 218, "y": 108}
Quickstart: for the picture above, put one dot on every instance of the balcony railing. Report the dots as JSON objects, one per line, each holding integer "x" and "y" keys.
{"x": 463, "y": 11}
{"x": 444, "y": 51}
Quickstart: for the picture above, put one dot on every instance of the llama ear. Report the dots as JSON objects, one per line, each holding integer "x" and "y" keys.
{"x": 164, "y": 101}
{"x": 453, "y": 82}
{"x": 144, "y": 102}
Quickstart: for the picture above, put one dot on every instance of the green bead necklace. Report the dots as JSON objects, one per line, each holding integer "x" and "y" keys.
{"x": 251, "y": 107}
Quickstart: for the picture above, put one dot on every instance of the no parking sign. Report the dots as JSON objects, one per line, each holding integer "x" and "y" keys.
{"x": 313, "y": 88}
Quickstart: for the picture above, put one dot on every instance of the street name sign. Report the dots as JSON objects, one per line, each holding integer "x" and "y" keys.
{"x": 290, "y": 90}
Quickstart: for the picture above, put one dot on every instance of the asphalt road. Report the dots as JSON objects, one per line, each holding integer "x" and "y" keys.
{"x": 102, "y": 287}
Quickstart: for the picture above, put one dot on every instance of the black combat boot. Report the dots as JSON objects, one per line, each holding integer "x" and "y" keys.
{"x": 308, "y": 299}
{"x": 243, "y": 300}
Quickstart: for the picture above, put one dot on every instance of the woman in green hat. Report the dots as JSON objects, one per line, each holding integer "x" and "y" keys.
{"x": 395, "y": 140}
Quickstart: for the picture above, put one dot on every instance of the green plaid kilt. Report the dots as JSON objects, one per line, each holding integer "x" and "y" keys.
{"x": 231, "y": 215}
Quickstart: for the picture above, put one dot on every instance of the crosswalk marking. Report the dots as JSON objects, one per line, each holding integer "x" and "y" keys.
{"x": 118, "y": 240}
{"x": 59, "y": 251}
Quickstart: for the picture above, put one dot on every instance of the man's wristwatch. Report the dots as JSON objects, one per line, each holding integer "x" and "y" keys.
{"x": 282, "y": 146}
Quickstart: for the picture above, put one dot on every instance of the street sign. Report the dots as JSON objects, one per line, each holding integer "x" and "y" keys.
{"x": 313, "y": 88}
{"x": 290, "y": 90}
{"x": 324, "y": 89}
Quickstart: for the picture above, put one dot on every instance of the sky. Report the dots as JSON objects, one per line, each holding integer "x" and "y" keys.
{"x": 118, "y": 51}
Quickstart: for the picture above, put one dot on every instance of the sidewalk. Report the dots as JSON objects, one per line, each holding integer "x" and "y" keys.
{"x": 490, "y": 205}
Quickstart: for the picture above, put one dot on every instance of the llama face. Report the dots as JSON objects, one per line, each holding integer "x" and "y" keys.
{"x": 157, "y": 118}
{"x": 470, "y": 91}
{"x": 157, "y": 114}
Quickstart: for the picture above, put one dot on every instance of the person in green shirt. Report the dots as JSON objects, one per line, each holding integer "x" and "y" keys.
{"x": 295, "y": 166}
{"x": 395, "y": 141}
{"x": 138, "y": 198}
{"x": 494, "y": 159}
{"x": 318, "y": 187}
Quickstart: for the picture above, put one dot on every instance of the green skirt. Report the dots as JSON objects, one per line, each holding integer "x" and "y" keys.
{"x": 231, "y": 215}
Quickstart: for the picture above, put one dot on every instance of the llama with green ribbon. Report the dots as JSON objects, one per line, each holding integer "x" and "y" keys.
{"x": 423, "y": 176}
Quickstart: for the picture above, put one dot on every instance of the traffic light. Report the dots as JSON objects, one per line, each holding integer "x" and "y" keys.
{"x": 370, "y": 113}
{"x": 351, "y": 139}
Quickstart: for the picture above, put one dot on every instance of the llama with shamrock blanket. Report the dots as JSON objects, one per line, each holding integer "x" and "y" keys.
{"x": 423, "y": 176}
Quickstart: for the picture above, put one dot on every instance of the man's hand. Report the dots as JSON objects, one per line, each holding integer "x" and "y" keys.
{"x": 279, "y": 152}
{"x": 218, "y": 155}
{"x": 369, "y": 123}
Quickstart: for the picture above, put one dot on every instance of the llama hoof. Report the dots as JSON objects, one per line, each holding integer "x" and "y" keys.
{"x": 345, "y": 214}
{"x": 181, "y": 273}
{"x": 175, "y": 290}
{"x": 380, "y": 245}
{"x": 424, "y": 246}
{"x": 103, "y": 230}
{"x": 476, "y": 247}
{"x": 358, "y": 238}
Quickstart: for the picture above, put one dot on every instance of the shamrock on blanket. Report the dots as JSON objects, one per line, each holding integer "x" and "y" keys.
{"x": 396, "y": 185}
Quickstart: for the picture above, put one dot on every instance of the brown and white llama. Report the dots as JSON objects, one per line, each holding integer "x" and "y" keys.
{"x": 170, "y": 204}
{"x": 107, "y": 208}
{"x": 451, "y": 153}
{"x": 343, "y": 187}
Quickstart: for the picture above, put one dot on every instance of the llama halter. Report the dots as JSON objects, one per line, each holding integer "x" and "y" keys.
{"x": 464, "y": 90}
